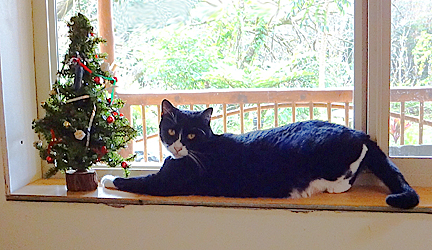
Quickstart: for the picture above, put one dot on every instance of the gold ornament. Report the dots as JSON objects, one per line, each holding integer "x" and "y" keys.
{"x": 66, "y": 124}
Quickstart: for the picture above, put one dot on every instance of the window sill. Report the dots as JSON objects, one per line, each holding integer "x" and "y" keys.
{"x": 359, "y": 198}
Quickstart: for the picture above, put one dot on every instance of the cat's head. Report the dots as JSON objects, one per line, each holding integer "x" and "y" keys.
{"x": 183, "y": 130}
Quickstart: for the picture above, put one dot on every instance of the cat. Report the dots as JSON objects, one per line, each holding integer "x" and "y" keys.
{"x": 291, "y": 161}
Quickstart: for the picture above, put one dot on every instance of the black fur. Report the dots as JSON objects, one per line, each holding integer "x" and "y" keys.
{"x": 268, "y": 163}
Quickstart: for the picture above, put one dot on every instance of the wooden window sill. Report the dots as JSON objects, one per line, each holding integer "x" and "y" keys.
{"x": 359, "y": 198}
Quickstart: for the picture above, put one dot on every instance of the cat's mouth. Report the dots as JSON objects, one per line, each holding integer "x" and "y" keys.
{"x": 178, "y": 155}
{"x": 178, "y": 150}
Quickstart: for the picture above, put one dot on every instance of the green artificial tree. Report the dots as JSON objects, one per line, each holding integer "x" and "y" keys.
{"x": 83, "y": 124}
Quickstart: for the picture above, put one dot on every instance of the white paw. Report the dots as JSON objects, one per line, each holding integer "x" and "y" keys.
{"x": 108, "y": 181}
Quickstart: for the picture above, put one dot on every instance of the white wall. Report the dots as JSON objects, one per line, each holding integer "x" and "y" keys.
{"x": 19, "y": 91}
{"x": 34, "y": 225}
{"x": 37, "y": 225}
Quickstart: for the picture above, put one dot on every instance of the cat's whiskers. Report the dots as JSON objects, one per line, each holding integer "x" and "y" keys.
{"x": 194, "y": 156}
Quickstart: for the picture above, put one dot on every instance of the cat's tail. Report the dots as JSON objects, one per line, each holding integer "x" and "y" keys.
{"x": 402, "y": 194}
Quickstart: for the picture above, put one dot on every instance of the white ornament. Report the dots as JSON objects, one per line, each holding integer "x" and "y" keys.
{"x": 37, "y": 144}
{"x": 105, "y": 67}
{"x": 79, "y": 134}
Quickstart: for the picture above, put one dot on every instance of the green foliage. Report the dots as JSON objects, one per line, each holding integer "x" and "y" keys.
{"x": 241, "y": 44}
{"x": 196, "y": 44}
{"x": 82, "y": 126}
{"x": 244, "y": 44}
{"x": 422, "y": 54}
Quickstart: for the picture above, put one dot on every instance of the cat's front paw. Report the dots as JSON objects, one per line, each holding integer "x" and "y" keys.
{"x": 108, "y": 181}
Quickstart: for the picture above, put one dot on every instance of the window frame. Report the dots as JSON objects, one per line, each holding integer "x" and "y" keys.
{"x": 416, "y": 170}
{"x": 370, "y": 104}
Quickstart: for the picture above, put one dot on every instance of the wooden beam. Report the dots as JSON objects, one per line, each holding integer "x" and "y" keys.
{"x": 106, "y": 30}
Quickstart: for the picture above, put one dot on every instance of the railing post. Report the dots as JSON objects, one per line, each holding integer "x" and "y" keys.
{"x": 421, "y": 122}
{"x": 276, "y": 114}
{"x": 160, "y": 142}
{"x": 293, "y": 111}
{"x": 225, "y": 120}
{"x": 329, "y": 112}
{"x": 347, "y": 114}
{"x": 311, "y": 115}
{"x": 241, "y": 118}
{"x": 402, "y": 122}
{"x": 144, "y": 126}
{"x": 259, "y": 116}
{"x": 126, "y": 110}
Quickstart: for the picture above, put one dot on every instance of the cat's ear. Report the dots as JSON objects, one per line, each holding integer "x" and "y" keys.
{"x": 167, "y": 107}
{"x": 206, "y": 114}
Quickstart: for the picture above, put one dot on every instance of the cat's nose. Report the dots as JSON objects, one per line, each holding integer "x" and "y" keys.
{"x": 177, "y": 149}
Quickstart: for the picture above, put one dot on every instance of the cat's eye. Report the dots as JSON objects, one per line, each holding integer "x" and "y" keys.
{"x": 191, "y": 136}
{"x": 171, "y": 132}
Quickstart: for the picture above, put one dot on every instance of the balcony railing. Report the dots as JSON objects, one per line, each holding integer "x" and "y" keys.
{"x": 328, "y": 100}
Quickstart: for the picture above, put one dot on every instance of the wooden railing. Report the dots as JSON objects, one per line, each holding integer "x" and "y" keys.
{"x": 265, "y": 99}
{"x": 403, "y": 95}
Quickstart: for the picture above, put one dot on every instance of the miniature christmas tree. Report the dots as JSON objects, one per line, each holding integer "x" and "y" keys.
{"x": 83, "y": 124}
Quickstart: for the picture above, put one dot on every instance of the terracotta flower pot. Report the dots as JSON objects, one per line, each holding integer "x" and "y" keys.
{"x": 81, "y": 181}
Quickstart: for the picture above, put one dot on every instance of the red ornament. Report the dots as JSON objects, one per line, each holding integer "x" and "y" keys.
{"x": 124, "y": 165}
{"x": 97, "y": 80}
{"x": 110, "y": 119}
{"x": 104, "y": 150}
{"x": 109, "y": 100}
{"x": 121, "y": 115}
{"x": 115, "y": 113}
{"x": 49, "y": 159}
{"x": 100, "y": 152}
{"x": 54, "y": 140}
{"x": 115, "y": 79}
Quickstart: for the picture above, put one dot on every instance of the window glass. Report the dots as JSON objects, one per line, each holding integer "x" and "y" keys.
{"x": 169, "y": 46}
{"x": 410, "y": 130}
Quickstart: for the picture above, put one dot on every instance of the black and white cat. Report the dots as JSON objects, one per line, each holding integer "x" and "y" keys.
{"x": 296, "y": 160}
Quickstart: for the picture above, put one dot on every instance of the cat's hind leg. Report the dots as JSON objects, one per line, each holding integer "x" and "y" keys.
{"x": 344, "y": 183}
{"x": 340, "y": 185}
{"x": 402, "y": 194}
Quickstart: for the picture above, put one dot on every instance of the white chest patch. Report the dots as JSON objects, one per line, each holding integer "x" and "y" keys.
{"x": 340, "y": 185}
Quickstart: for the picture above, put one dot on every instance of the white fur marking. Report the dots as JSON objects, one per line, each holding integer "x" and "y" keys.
{"x": 108, "y": 181}
{"x": 321, "y": 185}
{"x": 177, "y": 149}
{"x": 355, "y": 165}
{"x": 338, "y": 186}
